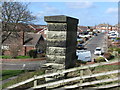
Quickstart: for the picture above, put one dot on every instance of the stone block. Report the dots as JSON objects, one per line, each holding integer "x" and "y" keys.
{"x": 57, "y": 26}
{"x": 56, "y": 51}
{"x": 56, "y": 43}
{"x": 56, "y": 35}
{"x": 60, "y": 19}
{"x": 57, "y": 59}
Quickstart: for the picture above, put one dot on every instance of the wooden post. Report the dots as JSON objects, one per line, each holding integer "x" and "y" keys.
{"x": 35, "y": 81}
{"x": 81, "y": 75}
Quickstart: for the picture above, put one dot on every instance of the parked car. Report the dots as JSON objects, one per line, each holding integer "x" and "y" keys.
{"x": 80, "y": 46}
{"x": 95, "y": 34}
{"x": 98, "y": 51}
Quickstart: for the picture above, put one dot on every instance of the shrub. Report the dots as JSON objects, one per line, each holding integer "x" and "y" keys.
{"x": 118, "y": 38}
{"x": 108, "y": 55}
{"x": 99, "y": 59}
{"x": 114, "y": 49}
{"x": 32, "y": 53}
{"x": 117, "y": 49}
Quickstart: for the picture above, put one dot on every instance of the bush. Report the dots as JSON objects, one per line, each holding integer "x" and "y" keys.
{"x": 108, "y": 56}
{"x": 118, "y": 38}
{"x": 117, "y": 49}
{"x": 99, "y": 59}
{"x": 32, "y": 53}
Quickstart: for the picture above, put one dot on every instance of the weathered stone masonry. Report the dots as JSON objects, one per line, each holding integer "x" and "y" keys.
{"x": 61, "y": 42}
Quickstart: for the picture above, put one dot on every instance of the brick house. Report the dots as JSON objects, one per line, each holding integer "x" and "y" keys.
{"x": 22, "y": 43}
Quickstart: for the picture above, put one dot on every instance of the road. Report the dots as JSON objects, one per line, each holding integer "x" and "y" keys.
{"x": 24, "y": 65}
{"x": 96, "y": 41}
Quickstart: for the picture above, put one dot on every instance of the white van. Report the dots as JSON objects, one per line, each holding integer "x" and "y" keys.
{"x": 84, "y": 55}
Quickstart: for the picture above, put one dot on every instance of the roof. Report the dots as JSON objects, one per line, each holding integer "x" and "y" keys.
{"x": 104, "y": 25}
{"x": 83, "y": 28}
{"x": 31, "y": 39}
{"x": 14, "y": 38}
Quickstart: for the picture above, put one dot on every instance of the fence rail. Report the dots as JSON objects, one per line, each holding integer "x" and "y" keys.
{"x": 66, "y": 71}
{"x": 62, "y": 82}
{"x": 88, "y": 83}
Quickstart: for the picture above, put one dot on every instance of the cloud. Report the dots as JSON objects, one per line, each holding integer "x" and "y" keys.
{"x": 112, "y": 10}
{"x": 80, "y": 5}
{"x": 47, "y": 10}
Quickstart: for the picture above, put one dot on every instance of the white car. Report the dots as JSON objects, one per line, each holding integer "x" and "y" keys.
{"x": 98, "y": 51}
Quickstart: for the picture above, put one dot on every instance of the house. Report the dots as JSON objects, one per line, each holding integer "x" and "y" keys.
{"x": 33, "y": 41}
{"x": 22, "y": 42}
{"x": 26, "y": 37}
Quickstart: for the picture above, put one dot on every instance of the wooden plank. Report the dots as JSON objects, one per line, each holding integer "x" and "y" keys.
{"x": 21, "y": 83}
{"x": 88, "y": 83}
{"x": 61, "y": 72}
{"x": 101, "y": 87}
{"x": 74, "y": 79}
{"x": 108, "y": 86}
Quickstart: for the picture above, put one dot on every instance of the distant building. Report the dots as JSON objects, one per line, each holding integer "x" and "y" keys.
{"x": 104, "y": 27}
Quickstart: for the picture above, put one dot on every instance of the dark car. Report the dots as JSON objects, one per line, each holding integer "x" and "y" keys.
{"x": 80, "y": 46}
{"x": 95, "y": 34}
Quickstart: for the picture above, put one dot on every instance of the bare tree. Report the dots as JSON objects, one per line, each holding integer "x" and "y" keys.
{"x": 14, "y": 13}
{"x": 15, "y": 49}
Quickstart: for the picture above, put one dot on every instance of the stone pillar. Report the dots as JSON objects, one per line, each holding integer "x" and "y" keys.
{"x": 61, "y": 42}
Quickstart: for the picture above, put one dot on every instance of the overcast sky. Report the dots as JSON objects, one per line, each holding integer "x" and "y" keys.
{"x": 88, "y": 13}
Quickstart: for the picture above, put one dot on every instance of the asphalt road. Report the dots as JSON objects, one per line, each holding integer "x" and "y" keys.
{"x": 24, "y": 65}
{"x": 96, "y": 41}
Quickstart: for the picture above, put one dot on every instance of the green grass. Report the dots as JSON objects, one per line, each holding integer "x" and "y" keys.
{"x": 25, "y": 76}
{"x": 18, "y": 57}
{"x": 22, "y": 57}
{"x": 6, "y": 57}
{"x": 10, "y": 73}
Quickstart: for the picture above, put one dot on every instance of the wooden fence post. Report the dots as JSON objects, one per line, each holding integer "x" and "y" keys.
{"x": 35, "y": 81}
{"x": 81, "y": 74}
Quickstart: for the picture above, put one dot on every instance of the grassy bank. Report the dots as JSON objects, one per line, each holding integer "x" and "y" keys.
{"x": 26, "y": 75}
{"x": 10, "y": 73}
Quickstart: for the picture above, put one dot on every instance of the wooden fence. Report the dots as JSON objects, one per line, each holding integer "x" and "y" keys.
{"x": 64, "y": 81}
